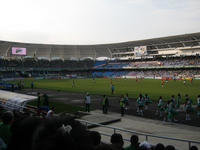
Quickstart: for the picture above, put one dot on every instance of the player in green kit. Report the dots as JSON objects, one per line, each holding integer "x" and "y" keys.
{"x": 166, "y": 110}
{"x": 122, "y": 105}
{"x": 140, "y": 103}
{"x": 171, "y": 111}
{"x": 198, "y": 106}
{"x": 160, "y": 109}
{"x": 105, "y": 104}
{"x": 178, "y": 101}
{"x": 188, "y": 107}
{"x": 147, "y": 101}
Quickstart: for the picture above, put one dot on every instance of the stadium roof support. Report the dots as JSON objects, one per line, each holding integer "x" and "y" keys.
{"x": 7, "y": 51}
{"x": 110, "y": 53}
{"x": 95, "y": 54}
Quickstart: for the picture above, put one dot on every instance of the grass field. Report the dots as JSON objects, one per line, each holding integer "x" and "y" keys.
{"x": 102, "y": 86}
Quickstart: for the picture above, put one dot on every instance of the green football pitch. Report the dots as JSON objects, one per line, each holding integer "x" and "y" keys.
{"x": 122, "y": 86}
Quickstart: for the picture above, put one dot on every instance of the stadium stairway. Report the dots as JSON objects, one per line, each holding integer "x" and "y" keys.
{"x": 98, "y": 117}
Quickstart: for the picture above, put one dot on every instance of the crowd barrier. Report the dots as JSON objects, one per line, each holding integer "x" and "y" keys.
{"x": 147, "y": 136}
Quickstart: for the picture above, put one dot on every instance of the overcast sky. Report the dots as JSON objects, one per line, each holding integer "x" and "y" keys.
{"x": 96, "y": 21}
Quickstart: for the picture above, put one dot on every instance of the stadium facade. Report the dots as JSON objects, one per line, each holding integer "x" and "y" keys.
{"x": 166, "y": 57}
{"x": 187, "y": 44}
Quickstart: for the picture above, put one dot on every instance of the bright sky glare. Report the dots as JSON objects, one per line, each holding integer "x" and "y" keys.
{"x": 96, "y": 21}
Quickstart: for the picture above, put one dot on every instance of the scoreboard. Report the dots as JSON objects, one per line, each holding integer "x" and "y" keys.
{"x": 140, "y": 51}
{"x": 18, "y": 51}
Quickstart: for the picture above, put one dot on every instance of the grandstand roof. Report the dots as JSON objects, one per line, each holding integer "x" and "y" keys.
{"x": 100, "y": 50}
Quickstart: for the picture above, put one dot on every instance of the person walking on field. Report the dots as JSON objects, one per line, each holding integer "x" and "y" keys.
{"x": 32, "y": 85}
{"x": 105, "y": 104}
{"x": 122, "y": 105}
{"x": 87, "y": 102}
{"x": 184, "y": 81}
{"x": 112, "y": 89}
{"x": 73, "y": 83}
{"x": 162, "y": 83}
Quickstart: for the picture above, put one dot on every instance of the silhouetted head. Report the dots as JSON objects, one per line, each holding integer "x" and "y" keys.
{"x": 193, "y": 148}
{"x": 7, "y": 117}
{"x": 95, "y": 137}
{"x": 159, "y": 146}
{"x": 134, "y": 139}
{"x": 117, "y": 139}
{"x": 169, "y": 147}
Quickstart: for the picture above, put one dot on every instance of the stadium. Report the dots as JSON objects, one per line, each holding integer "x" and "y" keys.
{"x": 127, "y": 59}
{"x": 160, "y": 67}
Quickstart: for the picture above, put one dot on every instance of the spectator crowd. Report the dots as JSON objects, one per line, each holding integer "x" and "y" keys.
{"x": 24, "y": 132}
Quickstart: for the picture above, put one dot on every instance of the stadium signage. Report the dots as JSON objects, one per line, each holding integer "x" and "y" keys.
{"x": 18, "y": 51}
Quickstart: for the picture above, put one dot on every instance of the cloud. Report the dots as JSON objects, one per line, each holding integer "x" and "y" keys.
{"x": 96, "y": 21}
{"x": 138, "y": 1}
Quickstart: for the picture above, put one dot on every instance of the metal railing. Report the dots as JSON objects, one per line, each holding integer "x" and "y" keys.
{"x": 115, "y": 129}
{"x": 13, "y": 106}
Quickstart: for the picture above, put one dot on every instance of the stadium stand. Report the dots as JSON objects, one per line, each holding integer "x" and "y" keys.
{"x": 24, "y": 131}
{"x": 177, "y": 55}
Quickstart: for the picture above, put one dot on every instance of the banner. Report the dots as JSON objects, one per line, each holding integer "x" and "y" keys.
{"x": 164, "y": 78}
